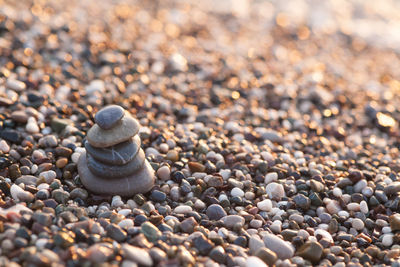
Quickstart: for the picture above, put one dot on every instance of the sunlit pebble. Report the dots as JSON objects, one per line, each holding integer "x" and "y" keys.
{"x": 343, "y": 214}
{"x": 183, "y": 209}
{"x": 164, "y": 148}
{"x": 31, "y": 126}
{"x": 164, "y": 173}
{"x": 125, "y": 212}
{"x": 75, "y": 157}
{"x": 364, "y": 207}
{"x": 367, "y": 191}
{"x": 225, "y": 173}
{"x": 386, "y": 230}
{"x": 4, "y": 147}
{"x": 387, "y": 240}
{"x": 270, "y": 177}
{"x": 357, "y": 224}
{"x": 353, "y": 206}
{"x": 237, "y": 192}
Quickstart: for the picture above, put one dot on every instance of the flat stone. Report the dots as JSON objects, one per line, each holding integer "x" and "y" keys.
{"x": 126, "y": 128}
{"x": 108, "y": 117}
{"x": 119, "y": 154}
{"x": 115, "y": 171}
{"x": 140, "y": 182}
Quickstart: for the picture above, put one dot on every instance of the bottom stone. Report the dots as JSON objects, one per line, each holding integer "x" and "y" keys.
{"x": 140, "y": 182}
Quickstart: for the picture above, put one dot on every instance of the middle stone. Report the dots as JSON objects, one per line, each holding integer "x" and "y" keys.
{"x": 119, "y": 154}
{"x": 115, "y": 171}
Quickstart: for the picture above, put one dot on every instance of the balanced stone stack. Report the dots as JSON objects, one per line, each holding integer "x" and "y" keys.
{"x": 114, "y": 163}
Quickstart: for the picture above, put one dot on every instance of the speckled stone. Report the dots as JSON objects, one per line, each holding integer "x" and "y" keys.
{"x": 125, "y": 129}
{"x": 109, "y": 116}
{"x": 140, "y": 182}
{"x": 115, "y": 155}
{"x": 115, "y": 171}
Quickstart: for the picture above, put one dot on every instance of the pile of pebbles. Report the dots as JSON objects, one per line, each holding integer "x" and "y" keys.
{"x": 271, "y": 145}
{"x": 114, "y": 163}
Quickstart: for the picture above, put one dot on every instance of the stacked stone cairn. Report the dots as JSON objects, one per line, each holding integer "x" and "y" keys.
{"x": 114, "y": 163}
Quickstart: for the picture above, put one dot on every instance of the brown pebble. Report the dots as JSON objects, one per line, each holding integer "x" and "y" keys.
{"x": 172, "y": 155}
{"x": 196, "y": 167}
{"x": 61, "y": 162}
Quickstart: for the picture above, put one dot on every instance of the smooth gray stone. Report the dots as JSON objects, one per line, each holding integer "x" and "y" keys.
{"x": 115, "y": 171}
{"x": 125, "y": 129}
{"x": 115, "y": 155}
{"x": 140, "y": 182}
{"x": 107, "y": 117}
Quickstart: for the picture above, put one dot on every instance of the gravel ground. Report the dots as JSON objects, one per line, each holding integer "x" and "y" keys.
{"x": 274, "y": 142}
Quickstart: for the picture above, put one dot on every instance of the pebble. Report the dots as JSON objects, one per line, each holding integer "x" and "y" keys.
{"x": 4, "y": 147}
{"x": 137, "y": 255}
{"x": 183, "y": 209}
{"x": 283, "y": 249}
{"x": 267, "y": 255}
{"x": 311, "y": 251}
{"x": 123, "y": 131}
{"x": 275, "y": 191}
{"x": 118, "y": 154}
{"x": 231, "y": 220}
{"x": 254, "y": 261}
{"x": 109, "y": 116}
{"x": 215, "y": 212}
{"x": 164, "y": 173}
{"x": 265, "y": 205}
{"x": 150, "y": 231}
{"x": 387, "y": 240}
{"x": 237, "y": 192}
{"x": 394, "y": 221}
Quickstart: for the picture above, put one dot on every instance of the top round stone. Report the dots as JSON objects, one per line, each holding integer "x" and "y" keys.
{"x": 108, "y": 117}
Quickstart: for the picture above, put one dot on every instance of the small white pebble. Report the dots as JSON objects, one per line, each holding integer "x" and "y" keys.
{"x": 75, "y": 157}
{"x": 164, "y": 148}
{"x": 387, "y": 240}
{"x": 126, "y": 223}
{"x": 163, "y": 173}
{"x": 353, "y": 206}
{"x": 237, "y": 192}
{"x": 357, "y": 224}
{"x": 270, "y": 177}
{"x": 265, "y": 205}
{"x": 225, "y": 173}
{"x": 249, "y": 195}
{"x": 386, "y": 230}
{"x": 183, "y": 209}
{"x": 125, "y": 212}
{"x": 32, "y": 127}
{"x": 116, "y": 202}
{"x": 337, "y": 192}
{"x": 364, "y": 207}
{"x": 4, "y": 147}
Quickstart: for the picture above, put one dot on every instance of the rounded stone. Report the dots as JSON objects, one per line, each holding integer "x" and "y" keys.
{"x": 119, "y": 154}
{"x": 115, "y": 171}
{"x": 124, "y": 129}
{"x": 140, "y": 182}
{"x": 108, "y": 117}
{"x": 215, "y": 212}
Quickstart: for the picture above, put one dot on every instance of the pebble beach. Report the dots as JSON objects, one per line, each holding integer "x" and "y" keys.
{"x": 273, "y": 135}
